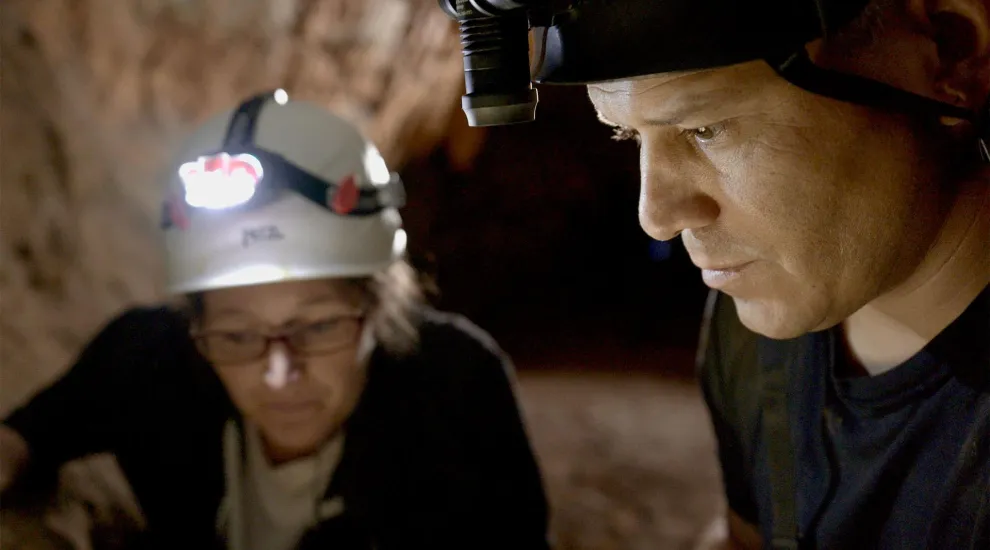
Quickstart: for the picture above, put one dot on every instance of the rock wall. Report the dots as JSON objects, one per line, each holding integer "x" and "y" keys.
{"x": 96, "y": 92}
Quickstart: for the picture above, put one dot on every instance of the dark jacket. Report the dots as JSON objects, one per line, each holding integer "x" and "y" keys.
{"x": 436, "y": 454}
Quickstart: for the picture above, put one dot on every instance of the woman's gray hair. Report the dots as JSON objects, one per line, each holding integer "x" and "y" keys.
{"x": 396, "y": 295}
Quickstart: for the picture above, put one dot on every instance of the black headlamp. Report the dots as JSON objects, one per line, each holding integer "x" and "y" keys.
{"x": 509, "y": 44}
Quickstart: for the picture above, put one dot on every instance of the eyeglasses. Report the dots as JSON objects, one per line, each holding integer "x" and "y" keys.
{"x": 303, "y": 340}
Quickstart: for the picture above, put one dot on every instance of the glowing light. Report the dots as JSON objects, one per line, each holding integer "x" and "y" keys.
{"x": 281, "y": 97}
{"x": 279, "y": 369}
{"x": 251, "y": 275}
{"x": 399, "y": 243}
{"x": 375, "y": 165}
{"x": 221, "y": 181}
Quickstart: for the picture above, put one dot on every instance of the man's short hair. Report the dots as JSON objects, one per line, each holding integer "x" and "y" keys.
{"x": 867, "y": 27}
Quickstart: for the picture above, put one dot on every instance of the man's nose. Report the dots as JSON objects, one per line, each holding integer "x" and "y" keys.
{"x": 671, "y": 199}
{"x": 281, "y": 368}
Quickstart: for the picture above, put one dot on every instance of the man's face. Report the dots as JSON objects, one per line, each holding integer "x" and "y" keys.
{"x": 801, "y": 208}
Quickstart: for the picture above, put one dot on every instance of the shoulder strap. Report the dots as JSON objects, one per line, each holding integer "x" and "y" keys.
{"x": 773, "y": 359}
{"x": 749, "y": 375}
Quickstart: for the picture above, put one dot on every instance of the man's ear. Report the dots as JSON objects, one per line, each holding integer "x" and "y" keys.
{"x": 960, "y": 33}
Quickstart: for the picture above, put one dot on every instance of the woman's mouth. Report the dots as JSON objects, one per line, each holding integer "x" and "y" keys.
{"x": 293, "y": 409}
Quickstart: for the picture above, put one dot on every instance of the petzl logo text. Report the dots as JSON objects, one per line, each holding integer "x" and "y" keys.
{"x": 264, "y": 233}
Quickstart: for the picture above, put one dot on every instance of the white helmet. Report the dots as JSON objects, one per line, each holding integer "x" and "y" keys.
{"x": 278, "y": 190}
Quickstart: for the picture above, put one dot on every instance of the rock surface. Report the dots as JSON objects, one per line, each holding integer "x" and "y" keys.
{"x": 629, "y": 460}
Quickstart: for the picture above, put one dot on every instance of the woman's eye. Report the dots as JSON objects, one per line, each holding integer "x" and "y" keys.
{"x": 237, "y": 337}
{"x": 322, "y": 326}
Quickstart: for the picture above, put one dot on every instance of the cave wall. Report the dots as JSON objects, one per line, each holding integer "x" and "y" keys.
{"x": 95, "y": 94}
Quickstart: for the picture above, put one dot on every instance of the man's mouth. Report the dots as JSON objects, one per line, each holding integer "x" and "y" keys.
{"x": 721, "y": 276}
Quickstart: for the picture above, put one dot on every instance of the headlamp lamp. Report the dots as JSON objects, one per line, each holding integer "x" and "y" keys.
{"x": 221, "y": 181}
{"x": 249, "y": 177}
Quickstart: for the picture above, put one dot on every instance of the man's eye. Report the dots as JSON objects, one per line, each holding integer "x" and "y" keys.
{"x": 704, "y": 134}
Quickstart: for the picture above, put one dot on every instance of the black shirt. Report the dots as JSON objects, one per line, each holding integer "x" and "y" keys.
{"x": 876, "y": 457}
{"x": 436, "y": 455}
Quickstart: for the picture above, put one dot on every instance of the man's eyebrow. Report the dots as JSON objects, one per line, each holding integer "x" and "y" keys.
{"x": 669, "y": 121}
{"x": 678, "y": 111}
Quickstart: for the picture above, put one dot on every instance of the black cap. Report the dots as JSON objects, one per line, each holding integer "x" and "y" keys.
{"x": 603, "y": 40}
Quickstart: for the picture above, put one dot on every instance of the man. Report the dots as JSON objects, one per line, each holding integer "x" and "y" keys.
{"x": 821, "y": 162}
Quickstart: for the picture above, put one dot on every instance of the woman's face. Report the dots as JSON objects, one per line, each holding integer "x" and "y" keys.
{"x": 287, "y": 354}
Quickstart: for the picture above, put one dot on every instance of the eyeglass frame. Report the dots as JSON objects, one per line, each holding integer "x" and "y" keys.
{"x": 282, "y": 335}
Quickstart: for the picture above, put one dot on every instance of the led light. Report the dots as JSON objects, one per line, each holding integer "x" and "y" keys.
{"x": 251, "y": 275}
{"x": 221, "y": 181}
{"x": 281, "y": 97}
{"x": 399, "y": 243}
{"x": 375, "y": 165}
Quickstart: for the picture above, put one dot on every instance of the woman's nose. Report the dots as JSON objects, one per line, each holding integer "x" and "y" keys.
{"x": 280, "y": 370}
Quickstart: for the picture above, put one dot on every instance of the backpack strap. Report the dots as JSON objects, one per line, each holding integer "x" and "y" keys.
{"x": 748, "y": 376}
{"x": 773, "y": 358}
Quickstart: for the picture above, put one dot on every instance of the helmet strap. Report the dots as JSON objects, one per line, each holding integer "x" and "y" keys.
{"x": 798, "y": 69}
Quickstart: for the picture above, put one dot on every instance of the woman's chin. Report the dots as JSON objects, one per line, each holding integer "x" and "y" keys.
{"x": 282, "y": 445}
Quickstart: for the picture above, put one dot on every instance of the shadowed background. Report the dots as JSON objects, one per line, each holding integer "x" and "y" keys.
{"x": 530, "y": 230}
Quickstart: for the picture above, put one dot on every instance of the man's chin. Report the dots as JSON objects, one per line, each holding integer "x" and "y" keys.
{"x": 774, "y": 319}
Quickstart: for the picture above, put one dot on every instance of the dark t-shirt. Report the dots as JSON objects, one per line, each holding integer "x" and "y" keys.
{"x": 436, "y": 454}
{"x": 874, "y": 456}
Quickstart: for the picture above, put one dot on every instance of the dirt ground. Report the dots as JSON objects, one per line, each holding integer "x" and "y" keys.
{"x": 628, "y": 459}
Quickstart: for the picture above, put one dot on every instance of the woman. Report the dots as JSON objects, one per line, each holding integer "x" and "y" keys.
{"x": 302, "y": 396}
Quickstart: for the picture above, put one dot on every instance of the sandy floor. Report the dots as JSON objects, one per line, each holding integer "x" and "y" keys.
{"x": 628, "y": 459}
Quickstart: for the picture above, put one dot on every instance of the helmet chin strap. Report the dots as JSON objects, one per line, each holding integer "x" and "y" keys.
{"x": 798, "y": 69}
